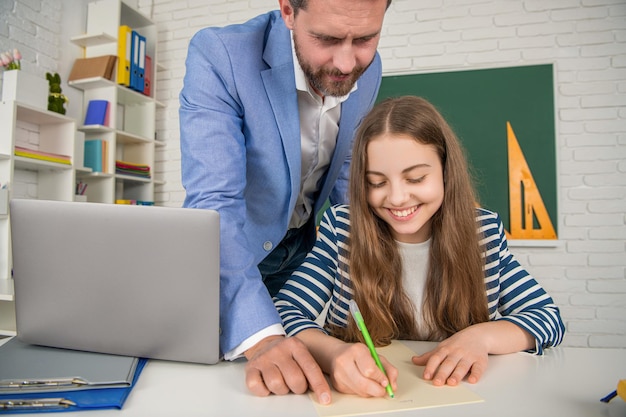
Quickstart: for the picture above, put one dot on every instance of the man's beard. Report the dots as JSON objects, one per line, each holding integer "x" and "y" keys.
{"x": 320, "y": 79}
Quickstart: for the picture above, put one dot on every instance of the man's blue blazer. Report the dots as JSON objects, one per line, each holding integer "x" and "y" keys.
{"x": 240, "y": 149}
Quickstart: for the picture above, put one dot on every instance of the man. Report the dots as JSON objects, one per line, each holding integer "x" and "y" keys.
{"x": 268, "y": 112}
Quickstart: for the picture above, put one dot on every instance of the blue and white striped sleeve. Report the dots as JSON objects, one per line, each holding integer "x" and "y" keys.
{"x": 303, "y": 297}
{"x": 520, "y": 298}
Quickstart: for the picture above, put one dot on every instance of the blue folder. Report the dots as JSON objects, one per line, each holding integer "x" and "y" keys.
{"x": 138, "y": 61}
{"x": 46, "y": 394}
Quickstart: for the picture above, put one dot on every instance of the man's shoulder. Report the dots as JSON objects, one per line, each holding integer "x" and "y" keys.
{"x": 260, "y": 23}
{"x": 245, "y": 45}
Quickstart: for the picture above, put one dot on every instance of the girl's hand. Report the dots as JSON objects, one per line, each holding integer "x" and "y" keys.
{"x": 354, "y": 371}
{"x": 462, "y": 354}
{"x": 466, "y": 352}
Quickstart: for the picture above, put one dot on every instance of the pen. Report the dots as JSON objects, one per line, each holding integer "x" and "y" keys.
{"x": 358, "y": 318}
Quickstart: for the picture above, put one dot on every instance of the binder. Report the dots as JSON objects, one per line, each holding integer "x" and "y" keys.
{"x": 147, "y": 86}
{"x": 134, "y": 58}
{"x": 44, "y": 379}
{"x": 123, "y": 55}
{"x": 140, "y": 83}
{"x": 138, "y": 61}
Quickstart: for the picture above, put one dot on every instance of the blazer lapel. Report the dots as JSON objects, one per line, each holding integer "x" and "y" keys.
{"x": 280, "y": 86}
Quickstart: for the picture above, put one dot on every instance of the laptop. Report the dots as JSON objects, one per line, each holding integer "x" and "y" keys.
{"x": 120, "y": 279}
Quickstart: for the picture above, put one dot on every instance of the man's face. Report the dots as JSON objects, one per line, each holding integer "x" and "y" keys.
{"x": 335, "y": 41}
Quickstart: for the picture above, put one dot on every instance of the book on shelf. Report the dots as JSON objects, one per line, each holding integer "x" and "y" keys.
{"x": 97, "y": 113}
{"x": 134, "y": 202}
{"x": 129, "y": 168}
{"x": 99, "y": 66}
{"x": 42, "y": 156}
{"x": 96, "y": 155}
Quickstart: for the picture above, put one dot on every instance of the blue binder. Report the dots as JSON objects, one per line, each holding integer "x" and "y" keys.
{"x": 138, "y": 61}
{"x": 46, "y": 394}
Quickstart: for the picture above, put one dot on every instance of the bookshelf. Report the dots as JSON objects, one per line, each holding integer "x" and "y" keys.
{"x": 130, "y": 131}
{"x": 46, "y": 135}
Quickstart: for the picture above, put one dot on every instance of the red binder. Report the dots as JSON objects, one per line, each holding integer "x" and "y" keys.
{"x": 148, "y": 76}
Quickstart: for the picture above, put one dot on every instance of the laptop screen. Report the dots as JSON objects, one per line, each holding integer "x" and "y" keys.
{"x": 130, "y": 280}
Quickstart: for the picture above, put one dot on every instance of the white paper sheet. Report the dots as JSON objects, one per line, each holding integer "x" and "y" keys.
{"x": 413, "y": 391}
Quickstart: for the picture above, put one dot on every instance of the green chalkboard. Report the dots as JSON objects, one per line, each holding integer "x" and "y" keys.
{"x": 478, "y": 104}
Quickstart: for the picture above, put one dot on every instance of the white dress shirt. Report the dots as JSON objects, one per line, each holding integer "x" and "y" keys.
{"x": 319, "y": 124}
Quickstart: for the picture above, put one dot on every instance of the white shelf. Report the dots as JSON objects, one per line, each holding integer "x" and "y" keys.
{"x": 93, "y": 39}
{"x": 95, "y": 129}
{"x": 126, "y": 94}
{"x": 34, "y": 115}
{"x": 91, "y": 83}
{"x": 38, "y": 164}
{"x": 6, "y": 289}
{"x": 132, "y": 178}
{"x": 55, "y": 133}
{"x": 125, "y": 137}
{"x": 83, "y": 170}
{"x": 91, "y": 174}
{"x": 7, "y": 318}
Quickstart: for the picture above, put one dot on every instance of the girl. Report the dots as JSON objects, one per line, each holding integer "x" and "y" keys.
{"x": 419, "y": 258}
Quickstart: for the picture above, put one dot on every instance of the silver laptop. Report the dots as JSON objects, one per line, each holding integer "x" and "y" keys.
{"x": 128, "y": 280}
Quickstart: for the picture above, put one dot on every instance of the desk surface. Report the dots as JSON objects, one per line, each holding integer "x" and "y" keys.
{"x": 564, "y": 382}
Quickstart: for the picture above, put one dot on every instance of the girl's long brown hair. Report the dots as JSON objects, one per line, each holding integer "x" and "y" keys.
{"x": 455, "y": 292}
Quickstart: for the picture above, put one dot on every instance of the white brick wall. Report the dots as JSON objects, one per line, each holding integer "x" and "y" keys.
{"x": 41, "y": 29}
{"x": 585, "y": 39}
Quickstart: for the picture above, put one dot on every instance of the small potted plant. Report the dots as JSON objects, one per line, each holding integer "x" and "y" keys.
{"x": 19, "y": 85}
{"x": 11, "y": 60}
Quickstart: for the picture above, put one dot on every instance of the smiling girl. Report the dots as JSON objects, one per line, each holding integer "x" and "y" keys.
{"x": 419, "y": 258}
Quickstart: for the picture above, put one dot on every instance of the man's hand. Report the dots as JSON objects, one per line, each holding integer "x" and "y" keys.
{"x": 281, "y": 365}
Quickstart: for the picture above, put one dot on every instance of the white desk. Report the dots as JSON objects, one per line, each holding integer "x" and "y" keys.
{"x": 565, "y": 382}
